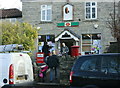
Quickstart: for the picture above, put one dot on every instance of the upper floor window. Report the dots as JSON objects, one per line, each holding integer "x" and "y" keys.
{"x": 90, "y": 10}
{"x": 46, "y": 12}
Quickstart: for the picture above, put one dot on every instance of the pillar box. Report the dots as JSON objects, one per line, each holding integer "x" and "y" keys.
{"x": 75, "y": 51}
{"x": 40, "y": 57}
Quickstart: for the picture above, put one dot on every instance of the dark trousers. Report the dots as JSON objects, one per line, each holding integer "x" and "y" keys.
{"x": 53, "y": 73}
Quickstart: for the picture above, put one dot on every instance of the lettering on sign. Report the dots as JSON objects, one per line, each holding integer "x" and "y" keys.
{"x": 40, "y": 55}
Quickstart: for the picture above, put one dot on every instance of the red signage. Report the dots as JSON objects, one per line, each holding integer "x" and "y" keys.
{"x": 39, "y": 57}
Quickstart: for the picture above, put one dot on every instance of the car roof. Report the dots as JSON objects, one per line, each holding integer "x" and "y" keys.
{"x": 84, "y": 57}
{"x": 104, "y": 54}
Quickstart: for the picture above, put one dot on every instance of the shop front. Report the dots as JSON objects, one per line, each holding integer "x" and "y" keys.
{"x": 69, "y": 38}
{"x": 91, "y": 43}
{"x": 46, "y": 39}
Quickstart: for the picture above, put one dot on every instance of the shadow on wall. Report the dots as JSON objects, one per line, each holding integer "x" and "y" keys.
{"x": 114, "y": 47}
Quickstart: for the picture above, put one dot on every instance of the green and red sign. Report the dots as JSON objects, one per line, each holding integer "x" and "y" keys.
{"x": 68, "y": 24}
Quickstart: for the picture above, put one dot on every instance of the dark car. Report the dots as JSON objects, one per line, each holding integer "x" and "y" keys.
{"x": 96, "y": 71}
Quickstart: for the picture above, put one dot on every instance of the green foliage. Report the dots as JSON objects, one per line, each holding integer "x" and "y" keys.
{"x": 19, "y": 33}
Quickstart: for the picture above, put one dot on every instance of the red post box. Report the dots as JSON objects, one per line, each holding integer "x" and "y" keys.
{"x": 39, "y": 57}
{"x": 75, "y": 51}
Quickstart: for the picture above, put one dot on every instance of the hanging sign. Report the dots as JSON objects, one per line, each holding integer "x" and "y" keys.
{"x": 68, "y": 12}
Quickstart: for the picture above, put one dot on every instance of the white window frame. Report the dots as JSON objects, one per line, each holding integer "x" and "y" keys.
{"x": 91, "y": 6}
{"x": 45, "y": 8}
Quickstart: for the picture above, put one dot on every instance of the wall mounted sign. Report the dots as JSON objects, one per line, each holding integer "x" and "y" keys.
{"x": 68, "y": 12}
{"x": 68, "y": 24}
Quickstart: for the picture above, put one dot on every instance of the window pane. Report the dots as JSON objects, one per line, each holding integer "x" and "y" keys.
{"x": 49, "y": 7}
{"x": 110, "y": 64}
{"x": 93, "y": 15}
{"x": 87, "y": 10}
{"x": 93, "y": 10}
{"x": 87, "y": 3}
{"x": 43, "y": 15}
{"x": 43, "y": 7}
{"x": 89, "y": 65}
{"x": 49, "y": 14}
{"x": 113, "y": 65}
{"x": 93, "y": 3}
{"x": 87, "y": 16}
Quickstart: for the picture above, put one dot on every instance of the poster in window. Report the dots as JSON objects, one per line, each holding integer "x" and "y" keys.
{"x": 67, "y": 12}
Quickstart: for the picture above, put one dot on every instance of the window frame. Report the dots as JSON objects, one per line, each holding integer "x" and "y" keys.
{"x": 91, "y": 18}
{"x": 46, "y": 8}
{"x": 89, "y": 42}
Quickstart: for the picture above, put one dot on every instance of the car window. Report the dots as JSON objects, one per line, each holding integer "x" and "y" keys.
{"x": 90, "y": 64}
{"x": 110, "y": 64}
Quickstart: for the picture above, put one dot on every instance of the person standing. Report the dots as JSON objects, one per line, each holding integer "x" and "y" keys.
{"x": 64, "y": 49}
{"x": 45, "y": 49}
{"x": 53, "y": 64}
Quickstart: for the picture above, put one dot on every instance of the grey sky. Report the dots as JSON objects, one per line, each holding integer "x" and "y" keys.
{"x": 6, "y": 4}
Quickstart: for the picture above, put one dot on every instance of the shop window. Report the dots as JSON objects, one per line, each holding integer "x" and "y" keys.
{"x": 46, "y": 38}
{"x": 50, "y": 39}
{"x": 91, "y": 43}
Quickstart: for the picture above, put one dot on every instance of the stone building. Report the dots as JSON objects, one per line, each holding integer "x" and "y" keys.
{"x": 80, "y": 23}
{"x": 11, "y": 15}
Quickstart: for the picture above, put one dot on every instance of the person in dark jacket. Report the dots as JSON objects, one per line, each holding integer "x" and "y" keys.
{"x": 53, "y": 64}
{"x": 64, "y": 49}
{"x": 45, "y": 49}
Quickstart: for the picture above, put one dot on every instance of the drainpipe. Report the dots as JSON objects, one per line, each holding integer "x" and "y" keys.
{"x": 81, "y": 44}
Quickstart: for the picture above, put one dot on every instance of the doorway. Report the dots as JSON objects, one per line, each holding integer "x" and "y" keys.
{"x": 68, "y": 43}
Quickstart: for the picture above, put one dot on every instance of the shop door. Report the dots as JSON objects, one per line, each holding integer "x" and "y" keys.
{"x": 68, "y": 43}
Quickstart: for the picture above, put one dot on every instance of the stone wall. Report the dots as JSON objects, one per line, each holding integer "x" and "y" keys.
{"x": 0, "y": 35}
{"x": 32, "y": 14}
{"x": 65, "y": 68}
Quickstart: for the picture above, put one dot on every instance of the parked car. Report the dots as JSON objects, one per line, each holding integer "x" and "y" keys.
{"x": 15, "y": 68}
{"x": 96, "y": 71}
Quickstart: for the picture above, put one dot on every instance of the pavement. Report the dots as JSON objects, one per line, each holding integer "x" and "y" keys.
{"x": 47, "y": 78}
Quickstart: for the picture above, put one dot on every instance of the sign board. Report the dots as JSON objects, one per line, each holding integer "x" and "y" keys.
{"x": 68, "y": 12}
{"x": 39, "y": 57}
{"x": 68, "y": 24}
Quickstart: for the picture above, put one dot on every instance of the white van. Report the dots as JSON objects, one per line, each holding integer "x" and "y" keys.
{"x": 15, "y": 68}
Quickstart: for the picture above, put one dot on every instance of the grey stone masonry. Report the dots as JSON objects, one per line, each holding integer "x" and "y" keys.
{"x": 119, "y": 8}
{"x": 32, "y": 14}
{"x": 0, "y": 35}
